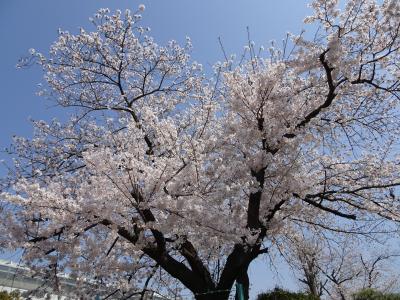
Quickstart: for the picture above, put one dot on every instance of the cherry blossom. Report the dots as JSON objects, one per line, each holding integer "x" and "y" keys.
{"x": 165, "y": 176}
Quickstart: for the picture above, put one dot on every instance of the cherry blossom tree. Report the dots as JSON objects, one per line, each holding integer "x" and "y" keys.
{"x": 339, "y": 268}
{"x": 166, "y": 175}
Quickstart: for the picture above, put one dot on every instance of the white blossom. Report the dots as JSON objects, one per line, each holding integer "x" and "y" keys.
{"x": 161, "y": 165}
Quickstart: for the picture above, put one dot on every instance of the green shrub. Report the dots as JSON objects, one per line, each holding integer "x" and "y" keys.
{"x": 14, "y": 295}
{"x": 280, "y": 294}
{"x": 370, "y": 294}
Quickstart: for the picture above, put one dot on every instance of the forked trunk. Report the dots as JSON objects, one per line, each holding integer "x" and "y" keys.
{"x": 242, "y": 279}
{"x": 213, "y": 295}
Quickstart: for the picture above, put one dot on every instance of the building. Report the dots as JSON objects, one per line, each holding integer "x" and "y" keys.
{"x": 16, "y": 277}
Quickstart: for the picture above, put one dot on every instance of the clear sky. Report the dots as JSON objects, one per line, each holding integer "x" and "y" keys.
{"x": 34, "y": 24}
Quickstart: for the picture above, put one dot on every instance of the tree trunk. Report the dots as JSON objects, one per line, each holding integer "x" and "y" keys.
{"x": 213, "y": 295}
{"x": 242, "y": 279}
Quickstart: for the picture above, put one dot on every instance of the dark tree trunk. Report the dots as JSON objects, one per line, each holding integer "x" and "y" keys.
{"x": 242, "y": 279}
{"x": 213, "y": 295}
{"x": 235, "y": 270}
{"x": 195, "y": 276}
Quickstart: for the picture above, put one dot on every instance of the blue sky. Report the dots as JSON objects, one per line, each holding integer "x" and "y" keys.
{"x": 34, "y": 24}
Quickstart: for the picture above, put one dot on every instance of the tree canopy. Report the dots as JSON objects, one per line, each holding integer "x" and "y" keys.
{"x": 163, "y": 176}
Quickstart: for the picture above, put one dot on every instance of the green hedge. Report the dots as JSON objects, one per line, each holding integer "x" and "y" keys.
{"x": 9, "y": 296}
{"x": 370, "y": 294}
{"x": 280, "y": 294}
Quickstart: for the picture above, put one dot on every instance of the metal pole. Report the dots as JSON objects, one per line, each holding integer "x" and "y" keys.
{"x": 239, "y": 291}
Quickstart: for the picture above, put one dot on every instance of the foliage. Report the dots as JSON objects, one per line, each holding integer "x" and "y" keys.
{"x": 280, "y": 294}
{"x": 370, "y": 294}
{"x": 163, "y": 177}
{"x": 14, "y": 295}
